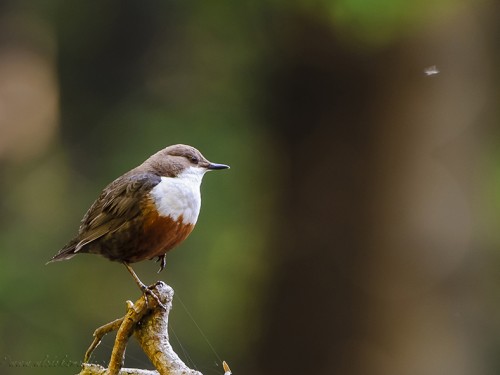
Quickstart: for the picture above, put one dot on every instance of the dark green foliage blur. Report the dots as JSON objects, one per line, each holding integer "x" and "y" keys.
{"x": 131, "y": 78}
{"x": 356, "y": 231}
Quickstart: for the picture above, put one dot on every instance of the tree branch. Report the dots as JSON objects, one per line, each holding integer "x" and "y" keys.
{"x": 148, "y": 322}
{"x": 91, "y": 369}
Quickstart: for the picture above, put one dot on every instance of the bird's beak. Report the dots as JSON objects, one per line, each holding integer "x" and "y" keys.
{"x": 215, "y": 166}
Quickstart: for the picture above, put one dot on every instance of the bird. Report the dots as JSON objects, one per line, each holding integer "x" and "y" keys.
{"x": 146, "y": 212}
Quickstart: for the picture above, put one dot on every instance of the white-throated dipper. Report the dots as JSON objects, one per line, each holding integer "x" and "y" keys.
{"x": 146, "y": 212}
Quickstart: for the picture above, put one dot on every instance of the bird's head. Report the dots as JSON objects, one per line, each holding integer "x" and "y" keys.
{"x": 180, "y": 160}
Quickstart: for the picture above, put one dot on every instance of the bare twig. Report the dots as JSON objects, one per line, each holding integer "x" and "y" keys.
{"x": 99, "y": 334}
{"x": 227, "y": 370}
{"x": 134, "y": 314}
{"x": 91, "y": 369}
{"x": 149, "y": 324}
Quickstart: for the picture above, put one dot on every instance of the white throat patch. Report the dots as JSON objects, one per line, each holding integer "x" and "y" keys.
{"x": 176, "y": 196}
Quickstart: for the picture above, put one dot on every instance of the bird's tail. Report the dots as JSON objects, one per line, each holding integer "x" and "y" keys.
{"x": 67, "y": 252}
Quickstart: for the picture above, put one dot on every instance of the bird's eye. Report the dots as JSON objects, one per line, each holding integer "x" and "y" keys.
{"x": 194, "y": 159}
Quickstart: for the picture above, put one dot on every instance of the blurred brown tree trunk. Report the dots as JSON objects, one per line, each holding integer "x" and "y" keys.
{"x": 372, "y": 231}
{"x": 318, "y": 102}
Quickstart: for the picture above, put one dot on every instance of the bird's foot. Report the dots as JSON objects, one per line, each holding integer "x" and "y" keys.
{"x": 163, "y": 262}
{"x": 147, "y": 291}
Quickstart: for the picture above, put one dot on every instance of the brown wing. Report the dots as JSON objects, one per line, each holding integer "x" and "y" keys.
{"x": 117, "y": 204}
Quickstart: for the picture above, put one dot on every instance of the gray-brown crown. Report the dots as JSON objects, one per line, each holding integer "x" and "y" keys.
{"x": 172, "y": 160}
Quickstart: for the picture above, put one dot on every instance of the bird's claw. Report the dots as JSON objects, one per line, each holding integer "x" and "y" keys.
{"x": 147, "y": 291}
{"x": 163, "y": 262}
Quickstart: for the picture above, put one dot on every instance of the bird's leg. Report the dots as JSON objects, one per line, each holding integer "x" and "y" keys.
{"x": 163, "y": 262}
{"x": 145, "y": 290}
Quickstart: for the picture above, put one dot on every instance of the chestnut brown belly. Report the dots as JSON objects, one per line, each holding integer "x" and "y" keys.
{"x": 161, "y": 234}
{"x": 145, "y": 237}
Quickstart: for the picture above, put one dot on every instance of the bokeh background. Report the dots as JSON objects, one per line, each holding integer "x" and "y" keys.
{"x": 357, "y": 231}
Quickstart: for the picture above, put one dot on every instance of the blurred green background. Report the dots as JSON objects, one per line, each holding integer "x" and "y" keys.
{"x": 357, "y": 230}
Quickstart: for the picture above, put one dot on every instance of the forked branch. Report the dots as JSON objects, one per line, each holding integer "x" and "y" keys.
{"x": 148, "y": 322}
